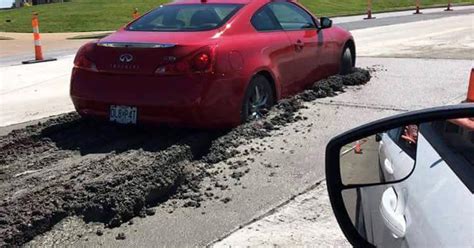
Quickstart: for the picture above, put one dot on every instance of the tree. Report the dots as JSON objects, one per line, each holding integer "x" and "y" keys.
{"x": 17, "y": 3}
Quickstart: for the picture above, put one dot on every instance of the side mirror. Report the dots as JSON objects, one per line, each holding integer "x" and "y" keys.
{"x": 384, "y": 178}
{"x": 378, "y": 137}
{"x": 325, "y": 22}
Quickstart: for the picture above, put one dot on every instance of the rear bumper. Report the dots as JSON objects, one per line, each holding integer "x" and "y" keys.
{"x": 193, "y": 101}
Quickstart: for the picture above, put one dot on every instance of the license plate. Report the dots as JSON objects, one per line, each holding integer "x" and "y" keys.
{"x": 123, "y": 114}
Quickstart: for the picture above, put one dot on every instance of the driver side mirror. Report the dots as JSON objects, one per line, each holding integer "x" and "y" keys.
{"x": 325, "y": 22}
{"x": 385, "y": 178}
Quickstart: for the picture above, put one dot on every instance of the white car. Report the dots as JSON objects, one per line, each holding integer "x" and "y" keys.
{"x": 434, "y": 206}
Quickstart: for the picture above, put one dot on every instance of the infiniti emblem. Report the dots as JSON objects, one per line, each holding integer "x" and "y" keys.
{"x": 126, "y": 58}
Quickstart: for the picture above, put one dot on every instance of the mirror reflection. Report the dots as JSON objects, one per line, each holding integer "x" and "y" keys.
{"x": 385, "y": 157}
{"x": 402, "y": 214}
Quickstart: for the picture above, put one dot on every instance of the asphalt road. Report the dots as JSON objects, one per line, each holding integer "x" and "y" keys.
{"x": 382, "y": 21}
{"x": 297, "y": 159}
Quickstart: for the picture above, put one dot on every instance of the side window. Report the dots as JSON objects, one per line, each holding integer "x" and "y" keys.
{"x": 223, "y": 12}
{"x": 394, "y": 134}
{"x": 457, "y": 139}
{"x": 292, "y": 17}
{"x": 184, "y": 16}
{"x": 264, "y": 20}
{"x": 399, "y": 136}
{"x": 454, "y": 144}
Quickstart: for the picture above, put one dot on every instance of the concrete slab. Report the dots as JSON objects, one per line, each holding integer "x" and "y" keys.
{"x": 21, "y": 47}
{"x": 300, "y": 168}
{"x": 409, "y": 84}
{"x": 29, "y": 92}
{"x": 36, "y": 91}
{"x": 296, "y": 170}
{"x": 398, "y": 85}
{"x": 306, "y": 221}
{"x": 406, "y": 13}
{"x": 423, "y": 39}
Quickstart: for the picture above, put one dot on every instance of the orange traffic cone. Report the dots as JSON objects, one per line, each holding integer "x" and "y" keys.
{"x": 358, "y": 148}
{"x": 449, "y": 6}
{"x": 36, "y": 37}
{"x": 369, "y": 10}
{"x": 37, "y": 40}
{"x": 417, "y": 8}
{"x": 135, "y": 14}
{"x": 470, "y": 91}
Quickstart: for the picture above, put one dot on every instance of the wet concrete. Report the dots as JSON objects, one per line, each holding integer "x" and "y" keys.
{"x": 69, "y": 166}
{"x": 289, "y": 161}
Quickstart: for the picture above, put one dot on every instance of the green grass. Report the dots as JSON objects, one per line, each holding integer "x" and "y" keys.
{"x": 75, "y": 16}
{"x": 353, "y": 7}
{"x": 100, "y": 15}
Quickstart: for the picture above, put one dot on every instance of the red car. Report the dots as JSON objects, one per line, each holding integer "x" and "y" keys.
{"x": 207, "y": 64}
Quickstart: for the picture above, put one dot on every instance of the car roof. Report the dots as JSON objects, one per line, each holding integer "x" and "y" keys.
{"x": 215, "y": 1}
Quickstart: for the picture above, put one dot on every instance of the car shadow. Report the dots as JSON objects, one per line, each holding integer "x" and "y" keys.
{"x": 93, "y": 137}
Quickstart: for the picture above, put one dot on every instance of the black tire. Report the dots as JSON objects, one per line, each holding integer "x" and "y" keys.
{"x": 258, "y": 99}
{"x": 347, "y": 64}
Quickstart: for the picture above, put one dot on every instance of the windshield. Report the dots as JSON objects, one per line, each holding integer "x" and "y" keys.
{"x": 186, "y": 17}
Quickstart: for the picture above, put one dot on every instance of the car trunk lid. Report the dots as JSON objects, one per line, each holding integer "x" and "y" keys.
{"x": 135, "y": 52}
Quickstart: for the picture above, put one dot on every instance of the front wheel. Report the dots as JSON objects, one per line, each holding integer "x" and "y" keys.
{"x": 258, "y": 99}
{"x": 346, "y": 62}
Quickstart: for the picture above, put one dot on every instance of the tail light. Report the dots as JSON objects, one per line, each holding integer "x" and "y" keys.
{"x": 84, "y": 57}
{"x": 201, "y": 61}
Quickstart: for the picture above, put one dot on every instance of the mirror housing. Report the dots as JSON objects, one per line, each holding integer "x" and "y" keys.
{"x": 325, "y": 22}
{"x": 334, "y": 176}
{"x": 378, "y": 137}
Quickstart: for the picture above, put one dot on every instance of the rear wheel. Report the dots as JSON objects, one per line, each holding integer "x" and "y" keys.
{"x": 258, "y": 99}
{"x": 346, "y": 62}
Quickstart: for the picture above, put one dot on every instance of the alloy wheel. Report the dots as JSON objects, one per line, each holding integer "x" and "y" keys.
{"x": 258, "y": 103}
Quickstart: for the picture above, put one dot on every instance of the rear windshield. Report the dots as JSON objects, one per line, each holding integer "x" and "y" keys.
{"x": 185, "y": 17}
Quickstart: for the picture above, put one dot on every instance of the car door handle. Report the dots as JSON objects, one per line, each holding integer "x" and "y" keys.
{"x": 390, "y": 209}
{"x": 387, "y": 166}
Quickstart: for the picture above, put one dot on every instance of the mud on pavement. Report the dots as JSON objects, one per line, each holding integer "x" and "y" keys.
{"x": 69, "y": 166}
